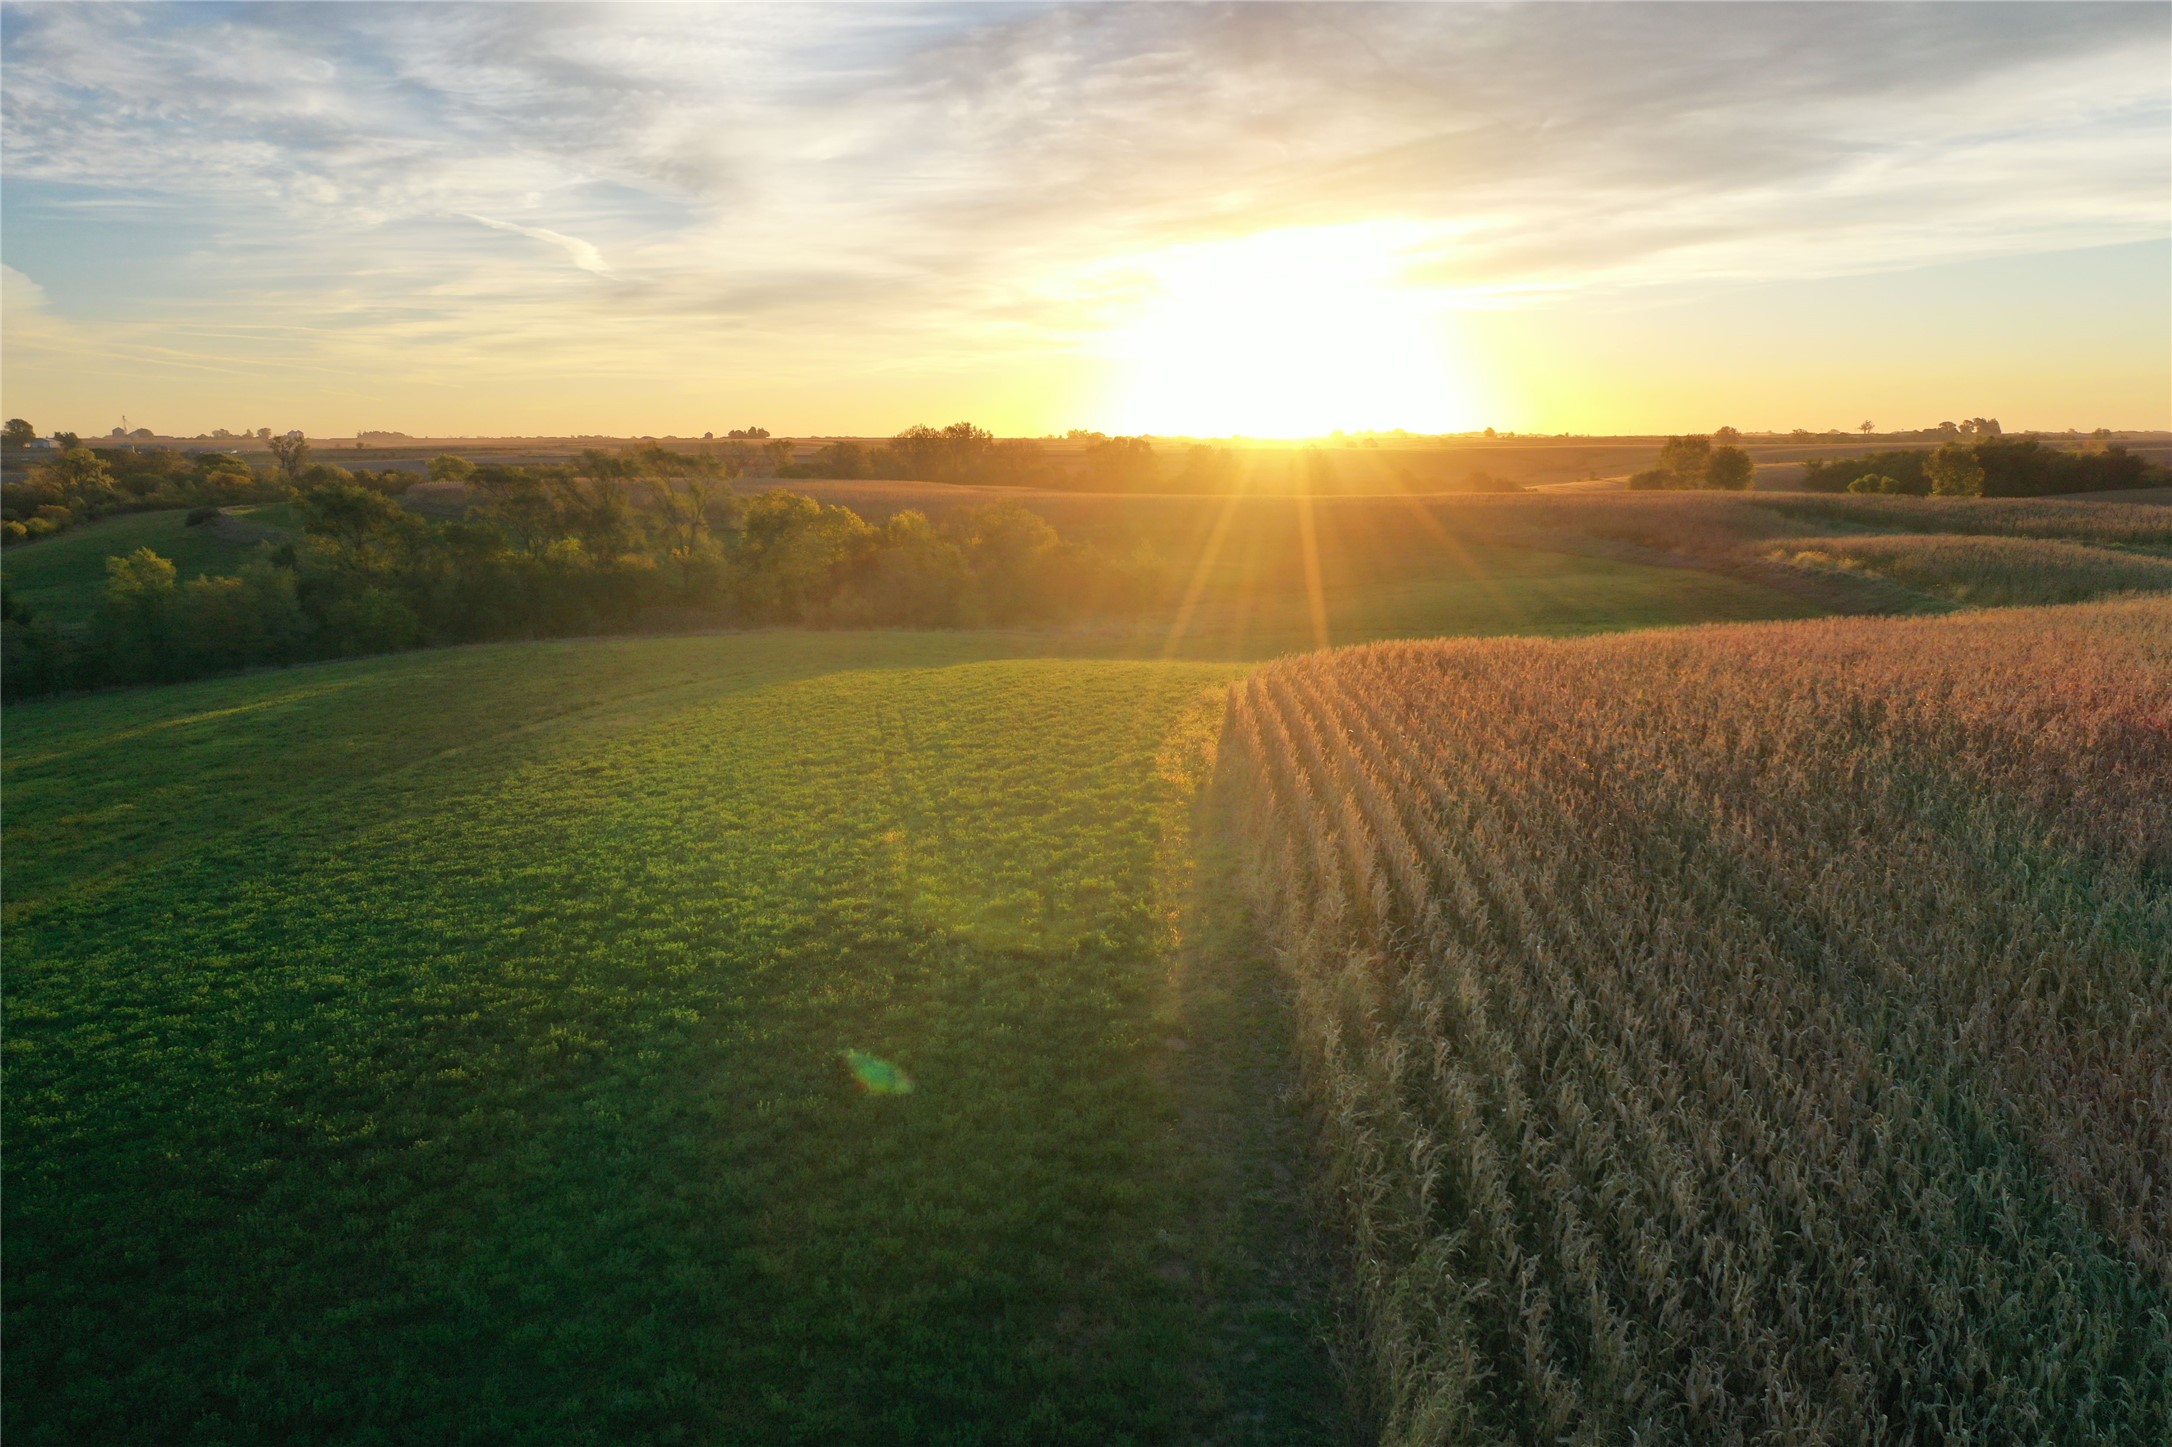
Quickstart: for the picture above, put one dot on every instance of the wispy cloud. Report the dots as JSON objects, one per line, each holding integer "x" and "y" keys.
{"x": 583, "y": 254}
{"x": 908, "y": 179}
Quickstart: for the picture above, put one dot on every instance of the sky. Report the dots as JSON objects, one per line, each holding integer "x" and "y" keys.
{"x": 520, "y": 219}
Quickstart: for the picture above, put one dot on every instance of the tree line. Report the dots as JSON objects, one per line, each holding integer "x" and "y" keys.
{"x": 966, "y": 453}
{"x": 1991, "y": 466}
{"x": 611, "y": 543}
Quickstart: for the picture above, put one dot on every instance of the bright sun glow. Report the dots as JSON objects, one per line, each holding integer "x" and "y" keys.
{"x": 1287, "y": 334}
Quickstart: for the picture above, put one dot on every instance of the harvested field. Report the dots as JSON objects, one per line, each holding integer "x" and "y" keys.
{"x": 1741, "y": 1034}
{"x": 2127, "y": 524}
{"x": 1981, "y": 571}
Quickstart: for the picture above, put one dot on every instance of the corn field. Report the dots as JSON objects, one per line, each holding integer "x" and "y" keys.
{"x": 1750, "y": 1034}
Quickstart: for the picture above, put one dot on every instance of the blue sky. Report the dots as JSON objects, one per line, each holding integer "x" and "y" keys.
{"x": 526, "y": 218}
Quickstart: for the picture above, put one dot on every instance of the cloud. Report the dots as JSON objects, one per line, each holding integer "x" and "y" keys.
{"x": 907, "y": 178}
{"x": 20, "y": 297}
{"x": 583, "y": 254}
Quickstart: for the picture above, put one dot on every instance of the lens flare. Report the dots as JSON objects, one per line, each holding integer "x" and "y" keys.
{"x": 875, "y": 1075}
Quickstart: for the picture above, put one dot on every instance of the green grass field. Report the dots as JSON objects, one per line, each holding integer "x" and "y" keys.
{"x": 60, "y": 577}
{"x": 480, "y": 1079}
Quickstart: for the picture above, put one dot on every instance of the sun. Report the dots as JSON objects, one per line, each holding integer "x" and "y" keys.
{"x": 1286, "y": 334}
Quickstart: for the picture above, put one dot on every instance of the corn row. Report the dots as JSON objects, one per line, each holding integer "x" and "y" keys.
{"x": 1738, "y": 1035}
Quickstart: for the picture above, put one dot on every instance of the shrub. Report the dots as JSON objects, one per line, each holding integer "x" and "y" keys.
{"x": 1839, "y": 474}
{"x": 1953, "y": 471}
{"x": 1685, "y": 458}
{"x": 1729, "y": 469}
{"x": 911, "y": 576}
{"x": 1879, "y": 483}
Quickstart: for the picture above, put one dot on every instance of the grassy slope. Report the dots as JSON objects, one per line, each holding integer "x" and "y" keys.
{"x": 59, "y": 577}
{"x": 477, "y": 1079}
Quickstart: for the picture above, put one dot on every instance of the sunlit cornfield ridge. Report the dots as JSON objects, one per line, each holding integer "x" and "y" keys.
{"x": 1742, "y": 1034}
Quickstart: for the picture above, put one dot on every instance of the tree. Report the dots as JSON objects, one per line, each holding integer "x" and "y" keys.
{"x": 842, "y": 459}
{"x": 289, "y": 453}
{"x": 1949, "y": 429}
{"x": 1866, "y": 427}
{"x": 792, "y": 550}
{"x": 686, "y": 513}
{"x": 1684, "y": 458}
{"x": 523, "y": 505}
{"x": 1729, "y": 469}
{"x": 1120, "y": 462}
{"x": 957, "y": 453}
{"x": 133, "y": 627}
{"x": 1727, "y": 434}
{"x": 447, "y": 468}
{"x": 140, "y": 576}
{"x": 82, "y": 470}
{"x": 1954, "y": 472}
{"x": 912, "y": 575}
{"x": 353, "y": 516}
{"x": 20, "y": 433}
{"x": 1008, "y": 548}
{"x": 1207, "y": 469}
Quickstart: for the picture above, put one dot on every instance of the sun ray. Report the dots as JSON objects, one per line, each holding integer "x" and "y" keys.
{"x": 1198, "y": 585}
{"x": 1434, "y": 528}
{"x": 1308, "y": 534}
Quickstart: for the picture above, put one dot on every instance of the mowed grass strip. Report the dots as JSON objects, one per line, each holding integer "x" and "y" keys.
{"x": 494, "y": 1091}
